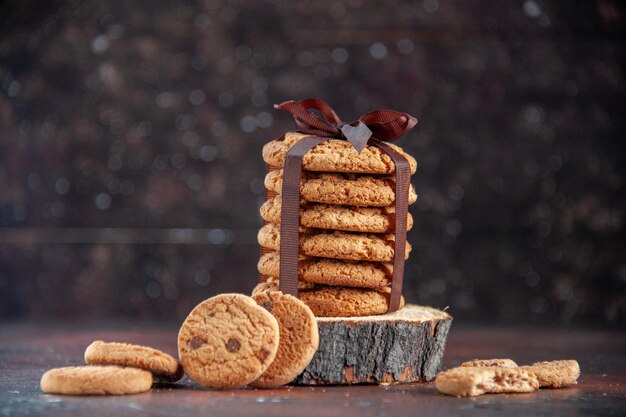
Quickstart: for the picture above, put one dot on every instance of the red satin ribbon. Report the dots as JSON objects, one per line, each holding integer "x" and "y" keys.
{"x": 370, "y": 128}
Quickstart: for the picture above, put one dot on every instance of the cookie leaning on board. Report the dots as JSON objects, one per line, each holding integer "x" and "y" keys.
{"x": 298, "y": 341}
{"x": 232, "y": 340}
{"x": 484, "y": 376}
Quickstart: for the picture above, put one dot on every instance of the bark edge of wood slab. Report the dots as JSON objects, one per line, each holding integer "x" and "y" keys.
{"x": 404, "y": 346}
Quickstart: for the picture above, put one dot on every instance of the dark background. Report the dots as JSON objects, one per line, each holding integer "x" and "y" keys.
{"x": 131, "y": 133}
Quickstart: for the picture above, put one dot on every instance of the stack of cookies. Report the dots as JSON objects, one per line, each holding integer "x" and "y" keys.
{"x": 347, "y": 221}
{"x": 113, "y": 368}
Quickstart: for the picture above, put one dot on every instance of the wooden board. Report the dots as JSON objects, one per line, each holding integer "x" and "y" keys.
{"x": 404, "y": 346}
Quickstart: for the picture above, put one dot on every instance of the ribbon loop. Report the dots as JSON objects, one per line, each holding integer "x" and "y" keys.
{"x": 309, "y": 122}
{"x": 388, "y": 125}
{"x": 323, "y": 107}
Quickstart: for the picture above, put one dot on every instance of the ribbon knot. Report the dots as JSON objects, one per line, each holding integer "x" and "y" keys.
{"x": 381, "y": 124}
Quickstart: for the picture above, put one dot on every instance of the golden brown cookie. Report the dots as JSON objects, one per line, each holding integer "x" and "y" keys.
{"x": 339, "y": 273}
{"x": 227, "y": 341}
{"x": 345, "y": 218}
{"x": 472, "y": 381}
{"x": 503, "y": 363}
{"x": 299, "y": 338}
{"x": 555, "y": 374}
{"x": 164, "y": 367}
{"x": 328, "y": 301}
{"x": 342, "y": 189}
{"x": 334, "y": 156}
{"x": 96, "y": 380}
{"x": 338, "y": 245}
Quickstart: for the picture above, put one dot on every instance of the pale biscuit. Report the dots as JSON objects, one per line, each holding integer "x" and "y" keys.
{"x": 164, "y": 367}
{"x": 338, "y": 245}
{"x": 96, "y": 380}
{"x": 503, "y": 363}
{"x": 342, "y": 189}
{"x": 299, "y": 338}
{"x": 555, "y": 374}
{"x": 335, "y": 155}
{"x": 472, "y": 381}
{"x": 227, "y": 341}
{"x": 340, "y": 273}
{"x": 330, "y": 216}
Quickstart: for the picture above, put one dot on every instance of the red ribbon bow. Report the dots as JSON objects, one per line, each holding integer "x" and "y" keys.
{"x": 382, "y": 124}
{"x": 379, "y": 125}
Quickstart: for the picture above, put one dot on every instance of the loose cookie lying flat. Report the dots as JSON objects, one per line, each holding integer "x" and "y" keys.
{"x": 299, "y": 338}
{"x": 550, "y": 374}
{"x": 503, "y": 363}
{"x": 346, "y": 218}
{"x": 163, "y": 367}
{"x": 227, "y": 341}
{"x": 96, "y": 380}
{"x": 342, "y": 189}
{"x": 555, "y": 374}
{"x": 472, "y": 381}
{"x": 338, "y": 245}
{"x": 334, "y": 156}
{"x": 341, "y": 273}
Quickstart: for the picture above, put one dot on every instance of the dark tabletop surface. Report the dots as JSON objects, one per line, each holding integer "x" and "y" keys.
{"x": 27, "y": 350}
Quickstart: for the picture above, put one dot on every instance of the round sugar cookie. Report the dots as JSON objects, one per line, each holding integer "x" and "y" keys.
{"x": 335, "y": 272}
{"x": 345, "y": 218}
{"x": 163, "y": 367}
{"x": 342, "y": 189}
{"x": 299, "y": 338}
{"x": 96, "y": 380}
{"x": 337, "y": 245}
{"x": 335, "y": 155}
{"x": 329, "y": 301}
{"x": 227, "y": 341}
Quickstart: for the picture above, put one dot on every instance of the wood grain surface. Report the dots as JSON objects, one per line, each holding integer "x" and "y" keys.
{"x": 27, "y": 350}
